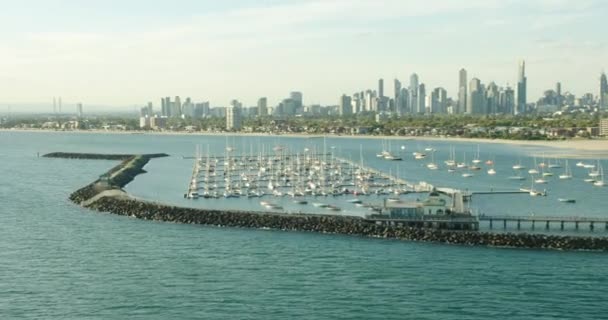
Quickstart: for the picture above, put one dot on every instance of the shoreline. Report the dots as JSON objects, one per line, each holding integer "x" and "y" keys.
{"x": 107, "y": 195}
{"x": 583, "y": 148}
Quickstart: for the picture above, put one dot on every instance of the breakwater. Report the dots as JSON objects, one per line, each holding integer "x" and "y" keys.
{"x": 117, "y": 177}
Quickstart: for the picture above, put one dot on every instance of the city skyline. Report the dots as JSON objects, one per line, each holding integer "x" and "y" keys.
{"x": 246, "y": 50}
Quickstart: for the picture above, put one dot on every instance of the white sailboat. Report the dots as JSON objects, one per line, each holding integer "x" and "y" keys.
{"x": 533, "y": 170}
{"x": 567, "y": 173}
{"x": 518, "y": 166}
{"x": 463, "y": 164}
{"x": 451, "y": 162}
{"x": 600, "y": 182}
{"x": 477, "y": 160}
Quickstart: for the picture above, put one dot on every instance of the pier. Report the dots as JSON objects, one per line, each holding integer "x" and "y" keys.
{"x": 546, "y": 221}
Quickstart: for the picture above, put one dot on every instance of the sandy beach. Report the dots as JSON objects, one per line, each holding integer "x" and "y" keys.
{"x": 572, "y": 148}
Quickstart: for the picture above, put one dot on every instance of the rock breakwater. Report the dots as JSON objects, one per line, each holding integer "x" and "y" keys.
{"x": 132, "y": 165}
{"x": 339, "y": 225}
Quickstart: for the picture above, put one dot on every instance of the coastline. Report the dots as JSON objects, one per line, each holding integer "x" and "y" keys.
{"x": 577, "y": 148}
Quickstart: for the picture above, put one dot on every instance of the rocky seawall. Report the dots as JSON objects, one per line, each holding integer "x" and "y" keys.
{"x": 119, "y": 176}
{"x": 339, "y": 225}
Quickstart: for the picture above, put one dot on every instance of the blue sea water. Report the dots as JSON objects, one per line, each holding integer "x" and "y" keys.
{"x": 60, "y": 261}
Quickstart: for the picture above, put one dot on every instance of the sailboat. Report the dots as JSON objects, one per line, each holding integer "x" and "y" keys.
{"x": 477, "y": 160}
{"x": 567, "y": 173}
{"x": 451, "y": 162}
{"x": 432, "y": 165}
{"x": 600, "y": 183}
{"x": 463, "y": 164}
{"x": 491, "y": 171}
{"x": 533, "y": 170}
{"x": 518, "y": 166}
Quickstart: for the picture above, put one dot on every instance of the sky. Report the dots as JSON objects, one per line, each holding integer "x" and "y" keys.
{"x": 123, "y": 53}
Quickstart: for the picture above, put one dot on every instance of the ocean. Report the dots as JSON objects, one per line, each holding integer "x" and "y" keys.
{"x": 60, "y": 261}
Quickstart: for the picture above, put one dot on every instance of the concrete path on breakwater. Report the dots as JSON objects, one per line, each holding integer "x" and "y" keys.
{"x": 107, "y": 196}
{"x": 114, "y": 193}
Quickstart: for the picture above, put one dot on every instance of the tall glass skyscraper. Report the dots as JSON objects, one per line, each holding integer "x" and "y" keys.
{"x": 522, "y": 83}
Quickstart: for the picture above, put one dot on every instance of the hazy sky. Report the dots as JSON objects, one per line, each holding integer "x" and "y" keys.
{"x": 127, "y": 52}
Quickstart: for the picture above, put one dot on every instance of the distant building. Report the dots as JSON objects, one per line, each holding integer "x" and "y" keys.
{"x": 462, "y": 91}
{"x": 79, "y": 110}
{"x": 165, "y": 107}
{"x": 421, "y": 99}
{"x": 144, "y": 122}
{"x": 476, "y": 98}
{"x": 263, "y": 107}
{"x": 603, "y": 91}
{"x": 439, "y": 101}
{"x": 381, "y": 88}
{"x": 522, "y": 83}
{"x": 296, "y": 97}
{"x": 176, "y": 108}
{"x": 414, "y": 102}
{"x": 233, "y": 116}
{"x": 344, "y": 106}
{"x": 604, "y": 127}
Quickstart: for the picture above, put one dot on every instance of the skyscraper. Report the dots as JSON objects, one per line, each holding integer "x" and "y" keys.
{"x": 79, "y": 110}
{"x": 262, "y": 107}
{"x": 296, "y": 96}
{"x": 603, "y": 91}
{"x": 233, "y": 116}
{"x": 421, "y": 99}
{"x": 522, "y": 83}
{"x": 176, "y": 108}
{"x": 345, "y": 106}
{"x": 165, "y": 110}
{"x": 381, "y": 88}
{"x": 397, "y": 93}
{"x": 413, "y": 93}
{"x": 462, "y": 91}
{"x": 492, "y": 99}
{"x": 476, "y": 99}
{"x": 439, "y": 98}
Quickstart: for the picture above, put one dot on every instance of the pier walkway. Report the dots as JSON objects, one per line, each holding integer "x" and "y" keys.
{"x": 547, "y": 220}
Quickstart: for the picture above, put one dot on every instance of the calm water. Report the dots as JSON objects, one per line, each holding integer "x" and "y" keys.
{"x": 64, "y": 262}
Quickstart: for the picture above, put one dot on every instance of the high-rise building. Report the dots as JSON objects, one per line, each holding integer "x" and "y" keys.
{"x": 603, "y": 91}
{"x": 263, "y": 107}
{"x": 79, "y": 110}
{"x": 381, "y": 88}
{"x": 492, "y": 99}
{"x": 176, "y": 108}
{"x": 522, "y": 83}
{"x": 397, "y": 93}
{"x": 413, "y": 93}
{"x": 401, "y": 104}
{"x": 439, "y": 101}
{"x": 476, "y": 99}
{"x": 166, "y": 107}
{"x": 506, "y": 101}
{"x": 345, "y": 105}
{"x": 421, "y": 99}
{"x": 233, "y": 116}
{"x": 462, "y": 91}
{"x": 296, "y": 96}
